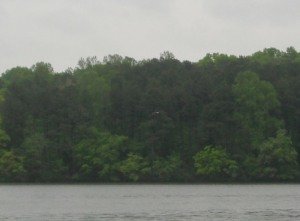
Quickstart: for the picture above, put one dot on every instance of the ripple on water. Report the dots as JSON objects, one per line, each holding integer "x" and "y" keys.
{"x": 150, "y": 202}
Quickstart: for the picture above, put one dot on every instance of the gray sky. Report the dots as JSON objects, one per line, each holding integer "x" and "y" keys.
{"x": 62, "y": 31}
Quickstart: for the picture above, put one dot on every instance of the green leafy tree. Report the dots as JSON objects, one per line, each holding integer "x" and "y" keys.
{"x": 255, "y": 101}
{"x": 168, "y": 169}
{"x": 267, "y": 56}
{"x": 135, "y": 167}
{"x": 156, "y": 113}
{"x": 4, "y": 138}
{"x": 99, "y": 155}
{"x": 11, "y": 166}
{"x": 157, "y": 134}
{"x": 34, "y": 146}
{"x": 215, "y": 163}
{"x": 167, "y": 55}
{"x": 277, "y": 158}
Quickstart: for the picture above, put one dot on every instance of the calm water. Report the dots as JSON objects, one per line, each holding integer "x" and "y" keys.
{"x": 150, "y": 202}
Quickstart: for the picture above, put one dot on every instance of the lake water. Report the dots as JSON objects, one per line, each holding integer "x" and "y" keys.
{"x": 150, "y": 202}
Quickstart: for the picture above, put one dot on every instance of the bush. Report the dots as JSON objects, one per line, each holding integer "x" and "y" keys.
{"x": 215, "y": 163}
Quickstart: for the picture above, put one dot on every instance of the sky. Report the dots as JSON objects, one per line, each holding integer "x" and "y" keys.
{"x": 60, "y": 32}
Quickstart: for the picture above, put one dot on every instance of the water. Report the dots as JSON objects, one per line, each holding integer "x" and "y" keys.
{"x": 150, "y": 202}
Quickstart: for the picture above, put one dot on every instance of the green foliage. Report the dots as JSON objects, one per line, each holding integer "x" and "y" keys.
{"x": 34, "y": 146}
{"x": 268, "y": 55}
{"x": 167, "y": 55}
{"x": 11, "y": 167}
{"x": 168, "y": 169}
{"x": 255, "y": 100}
{"x": 157, "y": 134}
{"x": 277, "y": 158}
{"x": 99, "y": 155}
{"x": 135, "y": 167}
{"x": 87, "y": 63}
{"x": 41, "y": 159}
{"x": 215, "y": 163}
{"x": 216, "y": 59}
{"x": 4, "y": 138}
{"x": 125, "y": 120}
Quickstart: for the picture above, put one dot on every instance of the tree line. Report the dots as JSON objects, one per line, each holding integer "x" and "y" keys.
{"x": 223, "y": 118}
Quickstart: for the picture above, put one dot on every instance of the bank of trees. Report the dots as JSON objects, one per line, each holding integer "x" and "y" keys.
{"x": 223, "y": 118}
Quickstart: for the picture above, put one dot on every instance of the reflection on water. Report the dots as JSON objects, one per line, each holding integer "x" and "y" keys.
{"x": 150, "y": 202}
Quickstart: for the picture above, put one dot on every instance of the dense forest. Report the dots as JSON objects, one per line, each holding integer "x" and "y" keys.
{"x": 223, "y": 118}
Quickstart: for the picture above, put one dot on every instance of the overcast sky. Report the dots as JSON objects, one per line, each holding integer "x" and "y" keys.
{"x": 62, "y": 31}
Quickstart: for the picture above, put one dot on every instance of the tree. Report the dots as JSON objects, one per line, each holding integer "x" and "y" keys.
{"x": 89, "y": 62}
{"x": 4, "y": 138}
{"x": 121, "y": 119}
{"x": 11, "y": 167}
{"x": 168, "y": 168}
{"x": 135, "y": 167}
{"x": 215, "y": 163}
{"x": 11, "y": 164}
{"x": 167, "y": 55}
{"x": 277, "y": 158}
{"x": 98, "y": 156}
{"x": 157, "y": 134}
{"x": 256, "y": 101}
